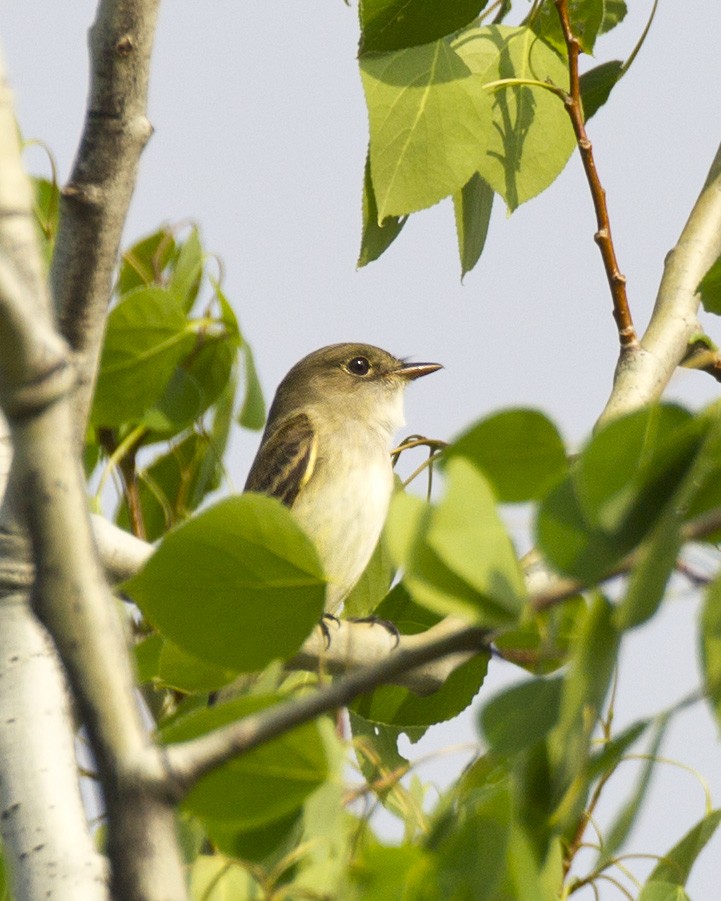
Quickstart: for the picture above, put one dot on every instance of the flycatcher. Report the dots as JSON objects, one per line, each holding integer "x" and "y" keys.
{"x": 325, "y": 452}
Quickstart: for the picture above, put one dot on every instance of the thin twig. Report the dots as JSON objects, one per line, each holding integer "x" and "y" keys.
{"x": 574, "y": 108}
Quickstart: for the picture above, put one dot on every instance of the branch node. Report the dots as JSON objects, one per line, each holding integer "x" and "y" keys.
{"x": 125, "y": 45}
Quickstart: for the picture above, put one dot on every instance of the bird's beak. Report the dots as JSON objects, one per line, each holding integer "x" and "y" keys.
{"x": 412, "y": 371}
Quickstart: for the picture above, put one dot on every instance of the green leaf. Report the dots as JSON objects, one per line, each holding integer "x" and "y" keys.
{"x": 597, "y": 84}
{"x": 529, "y": 138}
{"x": 395, "y": 706}
{"x": 472, "y": 206}
{"x": 710, "y": 289}
{"x": 376, "y": 237}
{"x": 194, "y": 386}
{"x": 182, "y": 671}
{"x": 433, "y": 122}
{"x": 185, "y": 276}
{"x": 395, "y": 24}
{"x": 607, "y": 759}
{"x": 710, "y": 638}
{"x": 146, "y": 337}
{"x": 585, "y": 687}
{"x": 647, "y": 449}
{"x": 45, "y": 212}
{"x": 147, "y": 657}
{"x": 428, "y": 123}
{"x": 144, "y": 263}
{"x": 387, "y": 873}
{"x": 586, "y": 18}
{"x": 542, "y": 640}
{"x": 519, "y": 451}
{"x": 238, "y": 585}
{"x": 675, "y": 866}
{"x": 252, "y": 413}
{"x": 261, "y": 785}
{"x": 626, "y": 818}
{"x": 473, "y": 855}
{"x": 614, "y": 12}
{"x": 468, "y": 536}
{"x": 521, "y": 715}
{"x": 614, "y": 494}
{"x": 215, "y": 878}
{"x": 457, "y": 557}
{"x": 174, "y": 485}
{"x": 647, "y": 586}
{"x": 372, "y": 586}
{"x": 662, "y": 891}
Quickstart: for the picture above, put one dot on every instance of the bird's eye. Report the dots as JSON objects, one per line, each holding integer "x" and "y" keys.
{"x": 358, "y": 366}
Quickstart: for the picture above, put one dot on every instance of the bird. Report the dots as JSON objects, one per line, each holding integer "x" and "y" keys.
{"x": 325, "y": 452}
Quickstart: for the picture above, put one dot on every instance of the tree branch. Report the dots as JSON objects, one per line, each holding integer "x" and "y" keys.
{"x": 46, "y": 492}
{"x": 94, "y": 203}
{"x": 641, "y": 376}
{"x": 189, "y": 761}
{"x": 603, "y": 238}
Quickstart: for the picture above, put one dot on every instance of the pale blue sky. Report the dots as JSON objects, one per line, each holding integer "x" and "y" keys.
{"x": 260, "y": 137}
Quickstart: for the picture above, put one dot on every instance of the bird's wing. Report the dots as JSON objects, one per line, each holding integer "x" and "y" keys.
{"x": 285, "y": 460}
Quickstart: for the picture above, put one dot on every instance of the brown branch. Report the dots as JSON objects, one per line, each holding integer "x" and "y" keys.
{"x": 574, "y": 108}
{"x": 190, "y": 760}
{"x": 95, "y": 201}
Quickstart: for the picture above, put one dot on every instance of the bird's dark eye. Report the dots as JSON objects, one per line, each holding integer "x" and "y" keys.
{"x": 358, "y": 366}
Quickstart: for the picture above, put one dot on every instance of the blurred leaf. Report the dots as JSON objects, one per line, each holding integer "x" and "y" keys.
{"x": 675, "y": 866}
{"x": 542, "y": 640}
{"x": 521, "y": 715}
{"x": 519, "y": 451}
{"x": 144, "y": 263}
{"x": 634, "y": 464}
{"x": 238, "y": 585}
{"x": 45, "y": 211}
{"x": 395, "y": 706}
{"x": 662, "y": 891}
{"x": 597, "y": 84}
{"x": 215, "y": 878}
{"x": 376, "y": 237}
{"x": 194, "y": 386}
{"x": 147, "y": 657}
{"x": 182, "y": 671}
{"x": 614, "y": 12}
{"x": 174, "y": 485}
{"x": 457, "y": 557}
{"x": 710, "y": 289}
{"x": 472, "y": 206}
{"x": 395, "y": 24}
{"x": 613, "y": 495}
{"x": 259, "y": 786}
{"x": 433, "y": 124}
{"x": 625, "y": 820}
{"x": 185, "y": 276}
{"x": 389, "y": 873}
{"x": 372, "y": 586}
{"x": 252, "y": 413}
{"x": 473, "y": 855}
{"x": 647, "y": 585}
{"x": 609, "y": 756}
{"x": 259, "y": 844}
{"x": 586, "y": 18}
{"x": 584, "y": 691}
{"x": 146, "y": 337}
{"x": 710, "y": 639}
